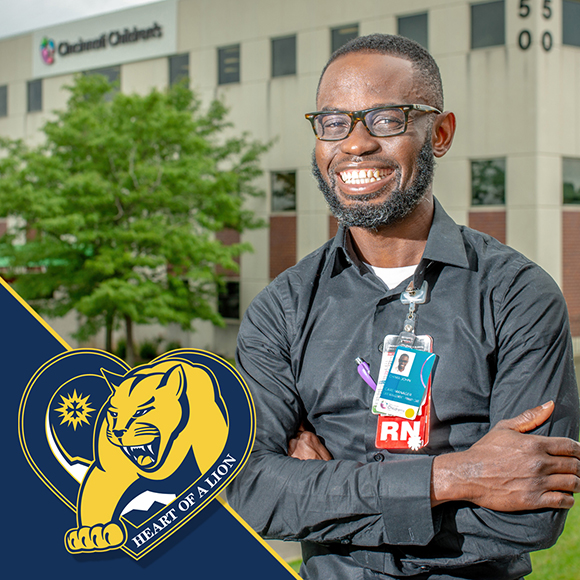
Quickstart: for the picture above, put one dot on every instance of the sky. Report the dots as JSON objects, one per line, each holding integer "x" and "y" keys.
{"x": 20, "y": 16}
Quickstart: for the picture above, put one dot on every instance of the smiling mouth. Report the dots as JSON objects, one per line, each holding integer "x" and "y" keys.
{"x": 143, "y": 455}
{"x": 363, "y": 176}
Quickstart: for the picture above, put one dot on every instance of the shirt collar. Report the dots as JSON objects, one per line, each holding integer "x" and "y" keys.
{"x": 445, "y": 244}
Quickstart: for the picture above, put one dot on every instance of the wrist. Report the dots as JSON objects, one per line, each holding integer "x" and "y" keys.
{"x": 448, "y": 481}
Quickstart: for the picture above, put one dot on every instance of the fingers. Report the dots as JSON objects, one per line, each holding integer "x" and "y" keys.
{"x": 557, "y": 500}
{"x": 529, "y": 419}
{"x": 292, "y": 445}
{"x": 569, "y": 466}
{"x": 306, "y": 445}
{"x": 324, "y": 453}
{"x": 95, "y": 538}
{"x": 561, "y": 447}
{"x": 564, "y": 483}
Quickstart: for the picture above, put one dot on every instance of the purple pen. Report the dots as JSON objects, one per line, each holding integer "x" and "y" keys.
{"x": 365, "y": 372}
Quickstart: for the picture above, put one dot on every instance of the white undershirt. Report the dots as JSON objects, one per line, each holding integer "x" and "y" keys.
{"x": 392, "y": 277}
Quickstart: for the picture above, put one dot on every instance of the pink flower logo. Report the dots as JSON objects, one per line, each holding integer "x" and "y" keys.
{"x": 47, "y": 50}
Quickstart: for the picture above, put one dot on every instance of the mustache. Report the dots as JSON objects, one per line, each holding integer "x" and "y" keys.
{"x": 399, "y": 203}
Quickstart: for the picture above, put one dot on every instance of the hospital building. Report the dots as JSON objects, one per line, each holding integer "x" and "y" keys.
{"x": 511, "y": 73}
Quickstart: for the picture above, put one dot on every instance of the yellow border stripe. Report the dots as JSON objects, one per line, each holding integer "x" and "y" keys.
{"x": 214, "y": 356}
{"x": 257, "y": 537}
{"x": 34, "y": 313}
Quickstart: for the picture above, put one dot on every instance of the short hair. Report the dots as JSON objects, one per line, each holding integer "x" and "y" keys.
{"x": 424, "y": 64}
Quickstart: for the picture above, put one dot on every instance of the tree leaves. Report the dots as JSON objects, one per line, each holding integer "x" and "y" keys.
{"x": 121, "y": 204}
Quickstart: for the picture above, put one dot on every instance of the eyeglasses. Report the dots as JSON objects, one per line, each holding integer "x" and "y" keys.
{"x": 379, "y": 121}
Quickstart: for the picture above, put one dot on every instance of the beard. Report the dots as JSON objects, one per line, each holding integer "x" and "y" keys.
{"x": 398, "y": 205}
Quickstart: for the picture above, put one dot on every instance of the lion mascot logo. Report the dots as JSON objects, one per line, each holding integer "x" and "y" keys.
{"x": 159, "y": 418}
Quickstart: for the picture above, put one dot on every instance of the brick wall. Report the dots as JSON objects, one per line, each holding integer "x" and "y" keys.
{"x": 228, "y": 236}
{"x": 282, "y": 243}
{"x": 571, "y": 266}
{"x": 489, "y": 222}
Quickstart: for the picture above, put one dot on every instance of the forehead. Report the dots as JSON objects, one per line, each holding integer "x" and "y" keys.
{"x": 359, "y": 81}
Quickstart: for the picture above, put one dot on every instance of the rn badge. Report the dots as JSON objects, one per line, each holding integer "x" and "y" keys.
{"x": 135, "y": 453}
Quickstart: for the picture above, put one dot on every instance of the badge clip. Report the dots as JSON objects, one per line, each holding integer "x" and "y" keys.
{"x": 413, "y": 297}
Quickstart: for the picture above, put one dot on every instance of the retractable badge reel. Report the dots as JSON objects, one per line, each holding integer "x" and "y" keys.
{"x": 403, "y": 393}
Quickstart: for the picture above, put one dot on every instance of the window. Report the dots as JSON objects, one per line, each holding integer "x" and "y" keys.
{"x": 488, "y": 182}
{"x": 571, "y": 22}
{"x": 283, "y": 191}
{"x": 178, "y": 68}
{"x": 4, "y": 101}
{"x": 229, "y": 300}
{"x": 284, "y": 56}
{"x": 487, "y": 24}
{"x": 229, "y": 64}
{"x": 113, "y": 73}
{"x": 34, "y": 95}
{"x": 415, "y": 28}
{"x": 571, "y": 180}
{"x": 342, "y": 35}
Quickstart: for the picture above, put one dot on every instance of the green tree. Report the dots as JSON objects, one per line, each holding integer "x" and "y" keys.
{"x": 120, "y": 205}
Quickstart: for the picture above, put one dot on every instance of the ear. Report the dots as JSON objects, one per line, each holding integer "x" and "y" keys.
{"x": 174, "y": 379}
{"x": 113, "y": 380}
{"x": 442, "y": 133}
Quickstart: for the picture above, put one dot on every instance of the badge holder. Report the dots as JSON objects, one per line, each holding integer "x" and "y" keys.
{"x": 402, "y": 398}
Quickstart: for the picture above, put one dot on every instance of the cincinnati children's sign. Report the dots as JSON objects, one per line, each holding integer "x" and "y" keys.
{"x": 113, "y": 38}
{"x": 134, "y": 453}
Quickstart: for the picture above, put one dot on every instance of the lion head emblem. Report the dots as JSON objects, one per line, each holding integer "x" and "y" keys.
{"x": 156, "y": 416}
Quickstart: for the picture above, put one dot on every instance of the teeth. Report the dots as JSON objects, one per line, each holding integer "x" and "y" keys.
{"x": 361, "y": 176}
{"x": 139, "y": 453}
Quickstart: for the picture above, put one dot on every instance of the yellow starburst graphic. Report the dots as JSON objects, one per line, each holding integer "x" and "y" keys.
{"x": 75, "y": 409}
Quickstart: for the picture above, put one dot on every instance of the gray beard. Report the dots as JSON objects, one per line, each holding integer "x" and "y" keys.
{"x": 399, "y": 204}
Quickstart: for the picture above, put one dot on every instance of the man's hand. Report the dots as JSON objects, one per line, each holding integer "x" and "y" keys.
{"x": 510, "y": 470}
{"x": 306, "y": 445}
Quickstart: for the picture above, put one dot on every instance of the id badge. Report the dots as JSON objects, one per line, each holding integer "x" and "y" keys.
{"x": 392, "y": 341}
{"x": 404, "y": 389}
{"x": 401, "y": 432}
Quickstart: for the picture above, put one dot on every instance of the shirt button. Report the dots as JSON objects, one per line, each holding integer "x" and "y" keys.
{"x": 345, "y": 541}
{"x": 379, "y": 457}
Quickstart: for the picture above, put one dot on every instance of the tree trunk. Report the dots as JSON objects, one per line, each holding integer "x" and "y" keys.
{"x": 109, "y": 331}
{"x": 130, "y": 356}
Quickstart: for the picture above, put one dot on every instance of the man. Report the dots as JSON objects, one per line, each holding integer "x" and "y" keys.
{"x": 402, "y": 363}
{"x": 485, "y": 491}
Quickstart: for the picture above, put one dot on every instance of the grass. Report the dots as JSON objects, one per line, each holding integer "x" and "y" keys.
{"x": 561, "y": 562}
{"x": 295, "y": 565}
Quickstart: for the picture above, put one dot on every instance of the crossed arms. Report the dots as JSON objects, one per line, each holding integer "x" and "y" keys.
{"x": 503, "y": 494}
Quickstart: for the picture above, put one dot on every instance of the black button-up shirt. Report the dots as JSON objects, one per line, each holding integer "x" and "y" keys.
{"x": 500, "y": 329}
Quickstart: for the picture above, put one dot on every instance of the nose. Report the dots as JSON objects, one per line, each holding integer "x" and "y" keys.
{"x": 360, "y": 141}
{"x": 119, "y": 432}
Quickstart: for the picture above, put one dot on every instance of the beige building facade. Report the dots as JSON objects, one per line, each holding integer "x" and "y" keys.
{"x": 511, "y": 73}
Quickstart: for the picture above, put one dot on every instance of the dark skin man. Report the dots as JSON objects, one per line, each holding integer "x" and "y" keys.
{"x": 508, "y": 469}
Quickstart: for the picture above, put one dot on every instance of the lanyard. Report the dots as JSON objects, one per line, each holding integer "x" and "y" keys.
{"x": 412, "y": 297}
{"x": 407, "y": 337}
